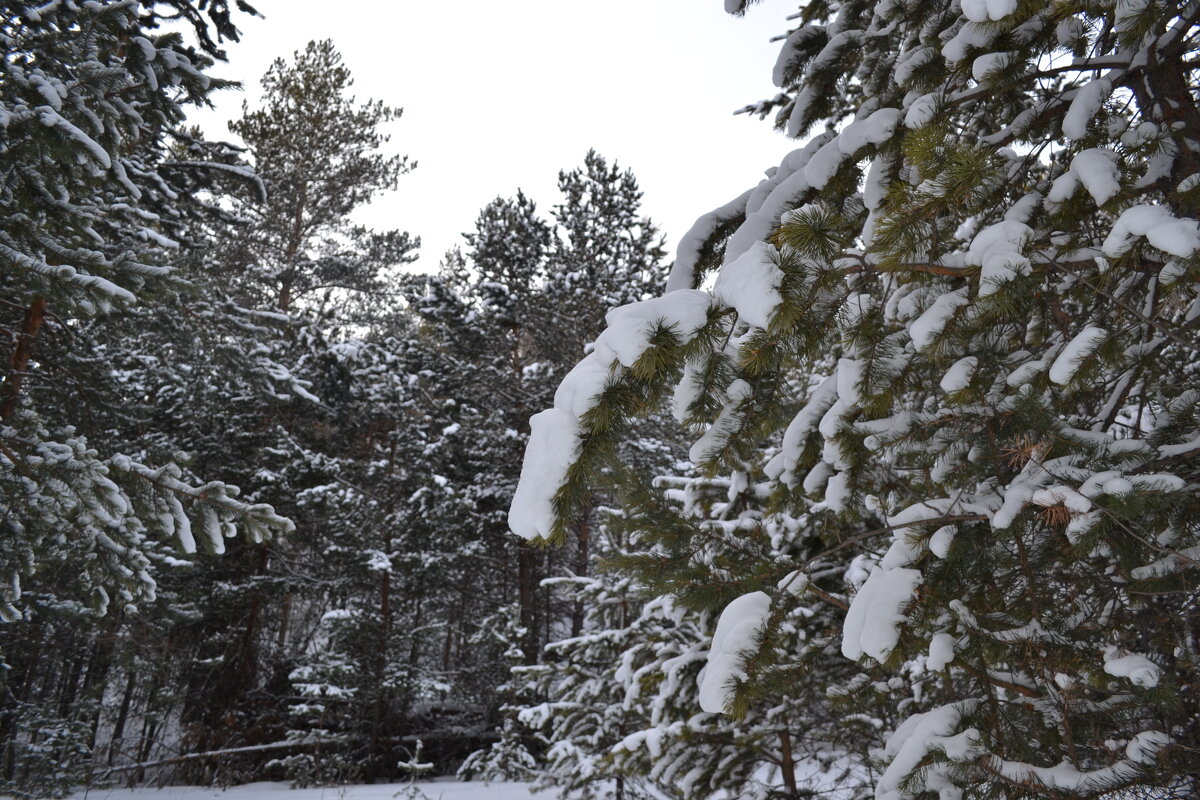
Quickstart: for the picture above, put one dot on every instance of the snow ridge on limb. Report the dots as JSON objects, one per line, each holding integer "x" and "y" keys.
{"x": 736, "y": 633}
{"x": 555, "y": 445}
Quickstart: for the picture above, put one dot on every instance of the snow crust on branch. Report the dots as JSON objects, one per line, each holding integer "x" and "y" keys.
{"x": 750, "y": 285}
{"x": 872, "y": 625}
{"x": 737, "y": 631}
{"x": 555, "y": 433}
{"x": 1179, "y": 237}
{"x": 915, "y": 738}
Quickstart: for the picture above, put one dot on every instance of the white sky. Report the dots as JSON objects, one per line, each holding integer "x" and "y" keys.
{"x": 500, "y": 95}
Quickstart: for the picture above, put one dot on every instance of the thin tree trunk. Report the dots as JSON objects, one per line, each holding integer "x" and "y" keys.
{"x": 525, "y": 595}
{"x": 786, "y": 763}
{"x": 582, "y": 557}
{"x": 382, "y": 698}
{"x": 293, "y": 249}
{"x": 22, "y": 352}
{"x": 114, "y": 743}
{"x": 285, "y": 614}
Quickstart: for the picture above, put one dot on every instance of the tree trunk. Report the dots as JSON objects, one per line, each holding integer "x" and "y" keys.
{"x": 582, "y": 557}
{"x": 526, "y": 583}
{"x": 382, "y": 697}
{"x": 787, "y": 764}
{"x": 118, "y": 733}
{"x": 293, "y": 250}
{"x": 19, "y": 363}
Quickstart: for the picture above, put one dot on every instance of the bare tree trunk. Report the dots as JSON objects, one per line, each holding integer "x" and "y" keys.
{"x": 526, "y": 584}
{"x": 382, "y": 697}
{"x": 118, "y": 733}
{"x": 787, "y": 764}
{"x": 582, "y": 558}
{"x": 293, "y": 250}
{"x": 19, "y": 363}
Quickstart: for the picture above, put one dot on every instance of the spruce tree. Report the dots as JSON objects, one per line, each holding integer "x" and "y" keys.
{"x": 952, "y": 339}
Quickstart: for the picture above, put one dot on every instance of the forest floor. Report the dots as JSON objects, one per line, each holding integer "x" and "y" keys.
{"x": 432, "y": 790}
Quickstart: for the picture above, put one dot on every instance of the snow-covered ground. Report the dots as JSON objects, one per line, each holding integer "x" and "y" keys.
{"x": 434, "y": 790}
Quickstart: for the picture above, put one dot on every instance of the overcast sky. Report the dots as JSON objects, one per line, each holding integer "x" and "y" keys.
{"x": 501, "y": 95}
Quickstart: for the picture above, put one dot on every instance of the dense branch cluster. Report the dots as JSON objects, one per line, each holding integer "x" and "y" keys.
{"x": 951, "y": 345}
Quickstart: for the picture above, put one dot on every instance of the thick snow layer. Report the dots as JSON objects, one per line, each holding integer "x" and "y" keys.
{"x": 806, "y": 421}
{"x": 751, "y": 284}
{"x": 958, "y": 377}
{"x": 872, "y": 624}
{"x": 1061, "y": 495}
{"x": 687, "y": 255}
{"x": 988, "y": 63}
{"x": 875, "y": 129}
{"x": 910, "y": 62}
{"x": 630, "y": 327}
{"x": 1073, "y": 355}
{"x": 941, "y": 651}
{"x": 687, "y": 392}
{"x": 997, "y": 250}
{"x": 940, "y": 541}
{"x": 1062, "y": 189}
{"x": 875, "y": 186}
{"x": 984, "y": 10}
{"x": 553, "y": 444}
{"x": 817, "y": 477}
{"x": 794, "y": 582}
{"x": 579, "y": 388}
{"x": 824, "y": 164}
{"x": 837, "y": 492}
{"x": 736, "y": 631}
{"x": 926, "y": 328}
{"x": 1086, "y": 104}
{"x": 915, "y": 738}
{"x": 850, "y": 380}
{"x": 921, "y": 111}
{"x": 1023, "y": 209}
{"x": 972, "y": 36}
{"x": 772, "y": 197}
{"x": 1144, "y": 747}
{"x": 1097, "y": 171}
{"x": 1179, "y": 237}
{"x": 445, "y": 790}
{"x": 1140, "y": 670}
{"x": 1065, "y": 777}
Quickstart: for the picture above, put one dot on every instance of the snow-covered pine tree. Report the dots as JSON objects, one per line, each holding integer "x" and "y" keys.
{"x": 322, "y": 432}
{"x": 319, "y": 153}
{"x": 627, "y": 701}
{"x": 97, "y": 187}
{"x": 984, "y": 263}
{"x": 605, "y": 254}
{"x": 91, "y": 94}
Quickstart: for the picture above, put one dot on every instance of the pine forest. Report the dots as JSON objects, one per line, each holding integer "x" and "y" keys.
{"x": 880, "y": 481}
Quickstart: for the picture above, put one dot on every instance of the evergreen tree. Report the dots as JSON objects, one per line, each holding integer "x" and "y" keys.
{"x": 319, "y": 154}
{"x": 605, "y": 254}
{"x": 322, "y": 434}
{"x": 101, "y": 513}
{"x": 952, "y": 337}
{"x": 90, "y": 98}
